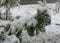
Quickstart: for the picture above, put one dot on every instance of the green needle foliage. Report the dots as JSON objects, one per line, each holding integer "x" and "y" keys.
{"x": 30, "y": 30}
{"x": 43, "y": 20}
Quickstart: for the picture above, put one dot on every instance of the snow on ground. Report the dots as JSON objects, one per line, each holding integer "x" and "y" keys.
{"x": 24, "y": 10}
{"x": 10, "y": 39}
{"x": 55, "y": 29}
{"x": 27, "y": 12}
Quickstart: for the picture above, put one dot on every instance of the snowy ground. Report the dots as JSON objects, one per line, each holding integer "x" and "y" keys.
{"x": 27, "y": 12}
{"x": 52, "y": 31}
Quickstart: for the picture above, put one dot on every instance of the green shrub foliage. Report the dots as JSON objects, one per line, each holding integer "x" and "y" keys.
{"x": 43, "y": 20}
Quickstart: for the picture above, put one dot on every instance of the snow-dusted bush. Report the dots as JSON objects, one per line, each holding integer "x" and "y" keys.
{"x": 42, "y": 19}
{"x": 4, "y": 33}
{"x": 9, "y": 39}
{"x": 5, "y": 24}
{"x": 27, "y": 23}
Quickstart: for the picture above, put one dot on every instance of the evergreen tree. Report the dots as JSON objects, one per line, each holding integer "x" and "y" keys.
{"x": 43, "y": 20}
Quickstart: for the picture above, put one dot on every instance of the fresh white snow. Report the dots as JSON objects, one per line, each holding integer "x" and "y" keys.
{"x": 27, "y": 14}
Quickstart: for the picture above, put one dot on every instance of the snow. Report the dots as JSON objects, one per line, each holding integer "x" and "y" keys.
{"x": 23, "y": 10}
{"x": 28, "y": 11}
{"x": 55, "y": 19}
{"x": 27, "y": 14}
{"x": 10, "y": 39}
{"x": 1, "y": 30}
{"x": 4, "y": 22}
{"x": 53, "y": 29}
{"x": 1, "y": 9}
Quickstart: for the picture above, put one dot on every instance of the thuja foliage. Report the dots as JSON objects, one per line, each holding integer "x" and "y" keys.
{"x": 43, "y": 20}
{"x": 30, "y": 30}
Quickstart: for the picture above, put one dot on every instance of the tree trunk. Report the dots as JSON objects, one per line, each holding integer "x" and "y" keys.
{"x": 7, "y": 8}
{"x": 0, "y": 15}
